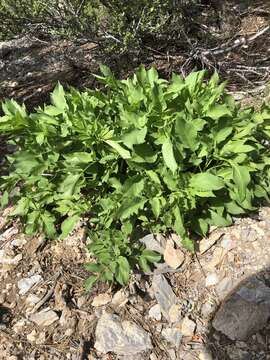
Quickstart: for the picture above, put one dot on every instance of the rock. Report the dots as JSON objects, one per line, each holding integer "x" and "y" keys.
{"x": 224, "y": 287}
{"x": 32, "y": 336}
{"x": 207, "y": 309}
{"x": 206, "y": 243}
{"x": 205, "y": 355}
{"x": 19, "y": 242}
{"x": 44, "y": 318}
{"x": 172, "y": 336}
{"x": 32, "y": 299}
{"x": 211, "y": 279}
{"x": 120, "y": 337}
{"x": 245, "y": 312}
{"x": 187, "y": 327}
{"x": 173, "y": 257}
{"x": 6, "y": 259}
{"x": 175, "y": 313}
{"x": 155, "y": 312}
{"x": 26, "y": 284}
{"x": 101, "y": 299}
{"x": 17, "y": 327}
{"x": 163, "y": 294}
{"x": 120, "y": 298}
{"x": 154, "y": 242}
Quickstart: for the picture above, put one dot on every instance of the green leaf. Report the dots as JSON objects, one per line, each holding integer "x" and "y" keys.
{"x": 4, "y": 200}
{"x": 168, "y": 155}
{"x": 70, "y": 185}
{"x": 156, "y": 206}
{"x": 122, "y": 270}
{"x": 144, "y": 153}
{"x": 90, "y": 282}
{"x": 217, "y": 111}
{"x": 130, "y": 207}
{"x": 206, "y": 182}
{"x": 186, "y": 132}
{"x": 223, "y": 134}
{"x": 92, "y": 267}
{"x": 58, "y": 97}
{"x": 143, "y": 263}
{"x": 48, "y": 224}
{"x": 68, "y": 225}
{"x": 151, "y": 256}
{"x": 194, "y": 80}
{"x": 121, "y": 151}
{"x": 22, "y": 207}
{"x": 134, "y": 137}
{"x": 241, "y": 179}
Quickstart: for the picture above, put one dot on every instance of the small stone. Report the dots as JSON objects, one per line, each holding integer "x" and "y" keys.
{"x": 163, "y": 294}
{"x": 26, "y": 284}
{"x": 20, "y": 242}
{"x": 207, "y": 309}
{"x": 187, "y": 327}
{"x": 205, "y": 355}
{"x": 101, "y": 299}
{"x": 172, "y": 336}
{"x": 81, "y": 301}
{"x": 175, "y": 313}
{"x": 41, "y": 339}
{"x": 120, "y": 298}
{"x": 32, "y": 299}
{"x": 44, "y": 318}
{"x": 211, "y": 279}
{"x": 155, "y": 312}
{"x": 17, "y": 327}
{"x": 6, "y": 259}
{"x": 173, "y": 257}
{"x": 120, "y": 337}
{"x": 32, "y": 336}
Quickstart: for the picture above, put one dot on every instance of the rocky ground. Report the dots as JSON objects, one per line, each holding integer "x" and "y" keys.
{"x": 214, "y": 305}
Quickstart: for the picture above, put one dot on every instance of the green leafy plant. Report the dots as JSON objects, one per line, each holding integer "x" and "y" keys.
{"x": 144, "y": 154}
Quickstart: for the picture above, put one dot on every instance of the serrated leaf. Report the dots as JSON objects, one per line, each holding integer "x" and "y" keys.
{"x": 122, "y": 270}
{"x": 130, "y": 207}
{"x": 89, "y": 283}
{"x": 22, "y": 207}
{"x": 68, "y": 225}
{"x": 168, "y": 155}
{"x": 70, "y": 185}
{"x": 206, "y": 182}
{"x": 95, "y": 268}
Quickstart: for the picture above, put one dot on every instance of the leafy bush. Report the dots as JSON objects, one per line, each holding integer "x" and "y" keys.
{"x": 144, "y": 153}
{"x": 118, "y": 25}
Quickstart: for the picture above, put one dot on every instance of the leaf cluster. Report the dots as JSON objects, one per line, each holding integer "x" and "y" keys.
{"x": 144, "y": 154}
